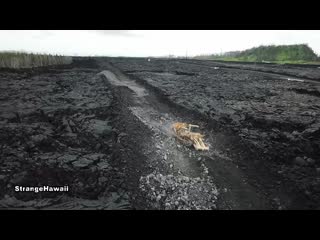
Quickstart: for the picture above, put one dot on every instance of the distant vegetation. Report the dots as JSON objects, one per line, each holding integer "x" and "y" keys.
{"x": 28, "y": 60}
{"x": 300, "y": 53}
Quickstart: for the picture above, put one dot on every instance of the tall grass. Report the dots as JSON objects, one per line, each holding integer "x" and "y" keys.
{"x": 29, "y": 60}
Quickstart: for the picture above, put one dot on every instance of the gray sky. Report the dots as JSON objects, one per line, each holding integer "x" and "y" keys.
{"x": 142, "y": 43}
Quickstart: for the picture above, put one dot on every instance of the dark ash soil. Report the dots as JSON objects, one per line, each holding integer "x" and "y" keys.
{"x": 102, "y": 127}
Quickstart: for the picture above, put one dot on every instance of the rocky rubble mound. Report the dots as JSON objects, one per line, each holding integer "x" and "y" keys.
{"x": 169, "y": 192}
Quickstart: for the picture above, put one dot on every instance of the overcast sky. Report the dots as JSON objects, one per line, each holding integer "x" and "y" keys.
{"x": 149, "y": 42}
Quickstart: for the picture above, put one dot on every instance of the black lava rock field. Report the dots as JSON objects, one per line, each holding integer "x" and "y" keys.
{"x": 102, "y": 128}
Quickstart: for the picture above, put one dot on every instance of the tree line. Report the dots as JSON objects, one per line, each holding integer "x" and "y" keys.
{"x": 272, "y": 53}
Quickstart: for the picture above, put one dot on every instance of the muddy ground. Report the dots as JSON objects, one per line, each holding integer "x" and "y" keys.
{"x": 102, "y": 127}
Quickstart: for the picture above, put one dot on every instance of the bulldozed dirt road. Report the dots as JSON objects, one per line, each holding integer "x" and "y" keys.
{"x": 102, "y": 127}
{"x": 220, "y": 180}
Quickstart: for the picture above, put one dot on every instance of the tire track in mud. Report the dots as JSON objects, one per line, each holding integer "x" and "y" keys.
{"x": 170, "y": 158}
